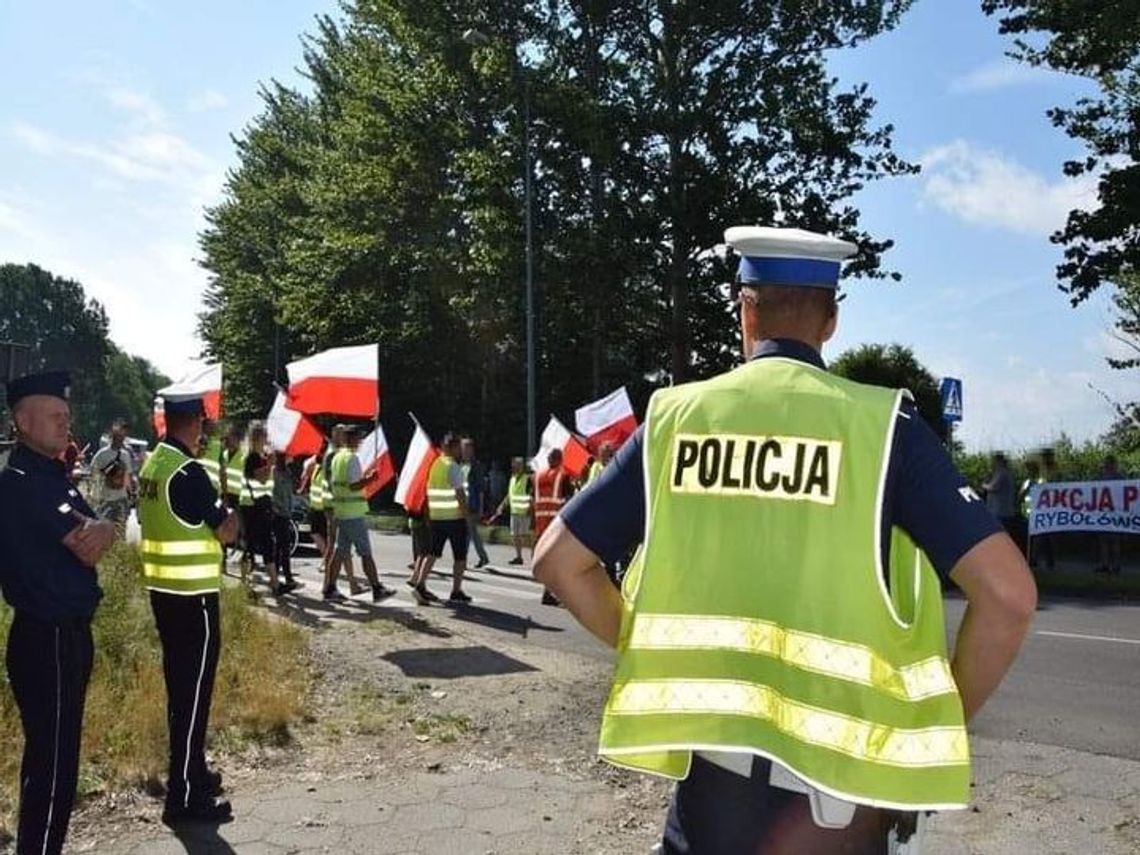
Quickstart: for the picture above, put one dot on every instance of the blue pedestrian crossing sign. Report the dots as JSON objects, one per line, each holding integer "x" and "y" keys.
{"x": 951, "y": 399}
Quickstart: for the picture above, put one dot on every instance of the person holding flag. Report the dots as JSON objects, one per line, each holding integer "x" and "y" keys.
{"x": 552, "y": 487}
{"x": 447, "y": 509}
{"x": 349, "y": 481}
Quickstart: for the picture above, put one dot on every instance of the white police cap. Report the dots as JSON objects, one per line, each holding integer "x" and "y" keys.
{"x": 772, "y": 256}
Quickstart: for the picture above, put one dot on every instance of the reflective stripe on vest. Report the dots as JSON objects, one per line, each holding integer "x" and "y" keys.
{"x": 176, "y": 558}
{"x": 520, "y": 496}
{"x": 547, "y": 505}
{"x": 235, "y": 471}
{"x": 210, "y": 460}
{"x": 317, "y": 488}
{"x": 758, "y": 616}
{"x": 443, "y": 504}
{"x": 347, "y": 502}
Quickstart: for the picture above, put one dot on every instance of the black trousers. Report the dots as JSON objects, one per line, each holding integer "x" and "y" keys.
{"x": 189, "y": 630}
{"x": 49, "y": 665}
{"x": 717, "y": 812}
{"x": 283, "y": 545}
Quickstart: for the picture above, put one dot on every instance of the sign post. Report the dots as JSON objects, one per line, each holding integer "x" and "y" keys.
{"x": 951, "y": 394}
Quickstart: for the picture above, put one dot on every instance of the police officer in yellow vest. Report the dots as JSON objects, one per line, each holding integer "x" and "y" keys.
{"x": 780, "y": 633}
{"x": 184, "y": 524}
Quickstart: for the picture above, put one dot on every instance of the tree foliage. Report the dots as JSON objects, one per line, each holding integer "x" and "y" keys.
{"x": 386, "y": 204}
{"x": 896, "y": 367}
{"x": 1099, "y": 41}
{"x": 67, "y": 331}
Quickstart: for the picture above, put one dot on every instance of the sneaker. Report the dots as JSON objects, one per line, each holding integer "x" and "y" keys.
{"x": 459, "y": 597}
{"x": 208, "y": 812}
{"x": 424, "y": 595}
{"x": 483, "y": 562}
{"x": 410, "y": 584}
{"x": 332, "y": 595}
{"x": 548, "y": 599}
{"x": 356, "y": 588}
{"x": 380, "y": 592}
{"x": 515, "y": 561}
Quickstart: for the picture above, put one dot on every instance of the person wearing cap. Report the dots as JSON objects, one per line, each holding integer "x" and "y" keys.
{"x": 50, "y": 542}
{"x": 184, "y": 525}
{"x": 520, "y": 502}
{"x": 350, "y": 507}
{"x": 781, "y": 651}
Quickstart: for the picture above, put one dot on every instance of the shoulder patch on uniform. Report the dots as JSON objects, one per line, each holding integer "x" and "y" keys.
{"x": 792, "y": 468}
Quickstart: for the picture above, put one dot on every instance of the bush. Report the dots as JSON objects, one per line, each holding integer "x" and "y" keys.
{"x": 261, "y": 686}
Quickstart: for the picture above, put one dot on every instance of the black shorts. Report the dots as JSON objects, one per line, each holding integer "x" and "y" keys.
{"x": 319, "y": 523}
{"x": 453, "y": 531}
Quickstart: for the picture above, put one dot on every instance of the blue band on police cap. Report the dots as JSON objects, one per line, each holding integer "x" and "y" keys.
{"x": 789, "y": 271}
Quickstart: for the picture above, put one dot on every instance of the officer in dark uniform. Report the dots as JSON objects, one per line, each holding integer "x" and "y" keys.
{"x": 184, "y": 524}
{"x": 50, "y": 541}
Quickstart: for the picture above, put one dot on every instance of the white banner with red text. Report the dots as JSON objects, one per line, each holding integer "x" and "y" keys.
{"x": 1104, "y": 506}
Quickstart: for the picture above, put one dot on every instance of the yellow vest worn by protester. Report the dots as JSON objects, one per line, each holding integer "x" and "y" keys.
{"x": 211, "y": 460}
{"x": 177, "y": 558}
{"x": 442, "y": 501}
{"x": 348, "y": 504}
{"x": 596, "y": 469}
{"x": 320, "y": 496}
{"x": 521, "y": 498}
{"x": 235, "y": 471}
{"x": 757, "y": 617}
{"x": 251, "y": 489}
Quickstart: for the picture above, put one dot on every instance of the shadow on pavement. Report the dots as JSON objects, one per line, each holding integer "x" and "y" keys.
{"x": 500, "y": 620}
{"x": 313, "y": 612}
{"x": 203, "y": 839}
{"x": 446, "y": 663}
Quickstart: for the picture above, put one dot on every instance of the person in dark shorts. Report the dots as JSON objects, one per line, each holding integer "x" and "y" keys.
{"x": 256, "y": 503}
{"x": 447, "y": 510}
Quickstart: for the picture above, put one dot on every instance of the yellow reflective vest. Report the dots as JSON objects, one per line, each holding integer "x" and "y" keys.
{"x": 443, "y": 504}
{"x": 177, "y": 558}
{"x": 758, "y": 617}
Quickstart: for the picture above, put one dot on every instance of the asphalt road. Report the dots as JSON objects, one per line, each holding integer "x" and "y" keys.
{"x": 1075, "y": 685}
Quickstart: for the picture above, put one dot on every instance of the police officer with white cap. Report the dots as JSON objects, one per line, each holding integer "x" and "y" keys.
{"x": 781, "y": 651}
{"x": 50, "y": 542}
{"x": 184, "y": 526}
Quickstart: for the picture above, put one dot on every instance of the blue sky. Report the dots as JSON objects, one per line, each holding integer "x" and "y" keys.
{"x": 115, "y": 123}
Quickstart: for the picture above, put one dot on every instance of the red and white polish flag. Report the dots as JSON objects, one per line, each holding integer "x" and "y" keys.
{"x": 374, "y": 457}
{"x": 609, "y": 419}
{"x": 205, "y": 380}
{"x": 343, "y": 381}
{"x": 289, "y": 431}
{"x": 411, "y": 489}
{"x": 575, "y": 455}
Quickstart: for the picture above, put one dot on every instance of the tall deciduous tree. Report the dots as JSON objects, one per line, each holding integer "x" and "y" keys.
{"x": 1099, "y": 41}
{"x": 387, "y": 204}
{"x": 896, "y": 367}
{"x": 68, "y": 331}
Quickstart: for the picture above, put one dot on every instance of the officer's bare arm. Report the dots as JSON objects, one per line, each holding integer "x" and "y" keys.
{"x": 227, "y": 531}
{"x": 1002, "y": 599}
{"x": 576, "y": 576}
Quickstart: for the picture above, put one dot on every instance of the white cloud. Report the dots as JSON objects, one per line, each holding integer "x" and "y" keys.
{"x": 151, "y": 155}
{"x": 999, "y": 74}
{"x": 209, "y": 99}
{"x": 137, "y": 104}
{"x": 985, "y": 187}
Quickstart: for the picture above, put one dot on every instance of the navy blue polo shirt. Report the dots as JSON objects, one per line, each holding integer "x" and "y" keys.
{"x": 41, "y": 577}
{"x": 192, "y": 497}
{"x": 925, "y": 494}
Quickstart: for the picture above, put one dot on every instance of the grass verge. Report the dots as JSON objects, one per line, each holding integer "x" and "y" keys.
{"x": 261, "y": 687}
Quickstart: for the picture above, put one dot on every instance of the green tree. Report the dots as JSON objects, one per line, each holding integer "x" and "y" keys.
{"x": 896, "y": 367}
{"x": 387, "y": 204}
{"x": 1099, "y": 41}
{"x": 68, "y": 331}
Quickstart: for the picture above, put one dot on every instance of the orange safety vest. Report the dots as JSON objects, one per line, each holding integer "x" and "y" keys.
{"x": 548, "y": 499}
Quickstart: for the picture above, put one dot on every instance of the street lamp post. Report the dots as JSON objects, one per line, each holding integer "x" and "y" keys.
{"x": 476, "y": 38}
